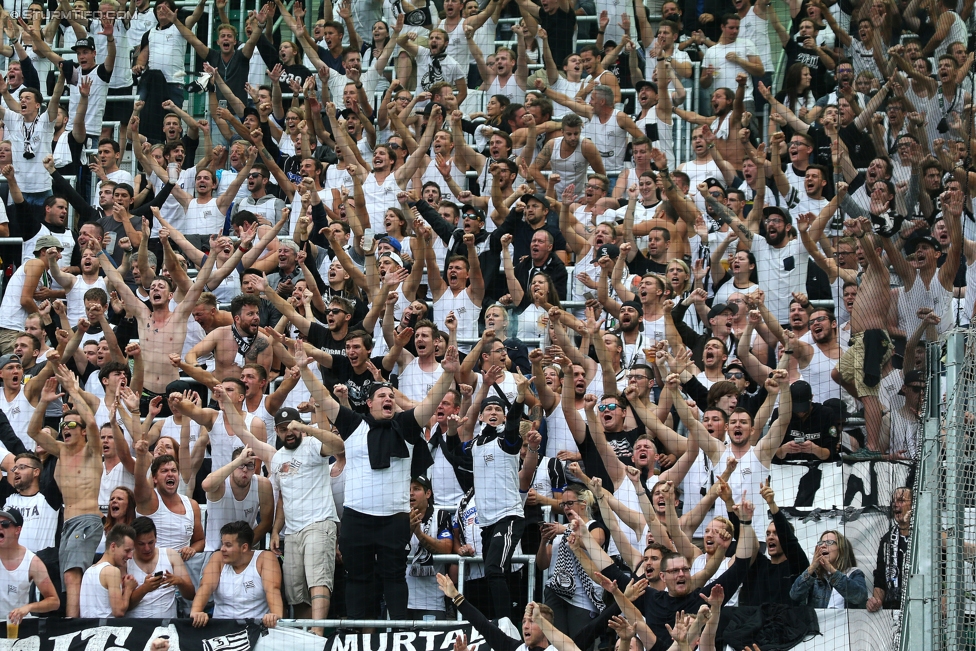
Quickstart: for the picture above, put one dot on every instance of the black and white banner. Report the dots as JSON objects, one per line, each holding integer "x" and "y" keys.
{"x": 419, "y": 640}
{"x": 132, "y": 635}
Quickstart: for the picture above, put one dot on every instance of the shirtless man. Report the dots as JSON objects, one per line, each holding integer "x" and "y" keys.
{"x": 79, "y": 474}
{"x": 161, "y": 330}
{"x": 869, "y": 320}
{"x": 238, "y": 344}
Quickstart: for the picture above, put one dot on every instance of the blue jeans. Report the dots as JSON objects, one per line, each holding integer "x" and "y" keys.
{"x": 36, "y": 199}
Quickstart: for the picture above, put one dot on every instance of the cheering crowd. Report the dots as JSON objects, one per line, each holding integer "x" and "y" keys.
{"x": 485, "y": 279}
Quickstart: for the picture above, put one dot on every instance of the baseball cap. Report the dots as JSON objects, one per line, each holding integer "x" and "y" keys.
{"x": 612, "y": 251}
{"x": 286, "y": 415}
{"x": 802, "y": 396}
{"x": 776, "y": 210}
{"x": 392, "y": 256}
{"x": 87, "y": 43}
{"x": 645, "y": 83}
{"x": 492, "y": 400}
{"x": 468, "y": 210}
{"x": 634, "y": 304}
{"x": 178, "y": 386}
{"x": 14, "y": 516}
{"x": 9, "y": 359}
{"x": 921, "y": 238}
{"x": 392, "y": 241}
{"x": 46, "y": 242}
{"x": 345, "y": 113}
{"x": 540, "y": 197}
{"x": 423, "y": 481}
{"x": 718, "y": 308}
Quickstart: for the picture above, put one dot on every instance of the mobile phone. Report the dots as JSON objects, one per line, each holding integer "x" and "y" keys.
{"x": 158, "y": 574}
{"x": 92, "y": 159}
{"x": 222, "y": 103}
{"x": 368, "y": 239}
{"x": 590, "y": 295}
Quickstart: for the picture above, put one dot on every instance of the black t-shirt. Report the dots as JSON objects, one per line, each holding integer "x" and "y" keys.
{"x": 641, "y": 265}
{"x": 818, "y": 427}
{"x": 859, "y": 145}
{"x": 233, "y": 72}
{"x": 560, "y": 26}
{"x": 358, "y": 383}
{"x": 621, "y": 442}
{"x": 796, "y": 53}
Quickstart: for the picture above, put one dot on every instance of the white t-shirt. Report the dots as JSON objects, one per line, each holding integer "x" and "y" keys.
{"x": 31, "y": 174}
{"x": 302, "y": 477}
{"x": 725, "y": 71}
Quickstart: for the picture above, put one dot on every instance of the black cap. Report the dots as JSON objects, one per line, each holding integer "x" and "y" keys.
{"x": 250, "y": 110}
{"x": 735, "y": 363}
{"x": 286, "y": 415}
{"x": 836, "y": 408}
{"x": 776, "y": 210}
{"x": 178, "y": 386}
{"x": 9, "y": 359}
{"x": 423, "y": 481}
{"x": 345, "y": 113}
{"x": 612, "y": 251}
{"x": 802, "y": 396}
{"x": 634, "y": 304}
{"x": 467, "y": 210}
{"x": 645, "y": 83}
{"x": 14, "y": 516}
{"x": 492, "y": 400}
{"x": 914, "y": 377}
{"x": 87, "y": 43}
{"x": 923, "y": 237}
{"x": 713, "y": 182}
{"x": 718, "y": 308}
{"x": 540, "y": 197}
{"x": 430, "y": 107}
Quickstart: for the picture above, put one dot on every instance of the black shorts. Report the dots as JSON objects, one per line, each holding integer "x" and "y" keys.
{"x": 119, "y": 111}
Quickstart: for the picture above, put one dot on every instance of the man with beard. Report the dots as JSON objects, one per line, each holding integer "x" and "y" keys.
{"x": 434, "y": 63}
{"x": 569, "y": 156}
{"x": 771, "y": 577}
{"x": 892, "y": 554}
{"x": 39, "y": 508}
{"x": 650, "y": 295}
{"x": 604, "y": 243}
{"x": 224, "y": 425}
{"x": 238, "y": 344}
{"x": 418, "y": 374}
{"x": 528, "y": 215}
{"x": 753, "y": 460}
{"x": 816, "y": 360}
{"x": 446, "y": 472}
{"x": 308, "y": 522}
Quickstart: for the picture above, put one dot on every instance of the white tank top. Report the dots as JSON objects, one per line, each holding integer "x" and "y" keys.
{"x": 264, "y": 415}
{"x": 935, "y": 297}
{"x": 817, "y": 373}
{"x": 167, "y": 49}
{"x": 337, "y": 178}
{"x": 559, "y": 435}
{"x": 747, "y": 476}
{"x": 222, "y": 444}
{"x": 229, "y": 509}
{"x": 457, "y": 43}
{"x": 19, "y": 412}
{"x": 510, "y": 90}
{"x": 970, "y": 295}
{"x": 571, "y": 169}
{"x": 464, "y": 309}
{"x": 338, "y": 489}
{"x": 117, "y": 476}
{"x": 433, "y": 174}
{"x": 94, "y": 596}
{"x": 76, "y": 297}
{"x": 173, "y": 530}
{"x": 203, "y": 218}
{"x": 416, "y": 383}
{"x": 159, "y": 603}
{"x": 15, "y": 584}
{"x": 12, "y": 315}
{"x": 240, "y": 596}
{"x": 610, "y": 140}
{"x": 173, "y": 429}
{"x": 379, "y": 197}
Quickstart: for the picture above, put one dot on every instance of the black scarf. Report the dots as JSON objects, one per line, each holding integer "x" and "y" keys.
{"x": 385, "y": 441}
{"x": 243, "y": 343}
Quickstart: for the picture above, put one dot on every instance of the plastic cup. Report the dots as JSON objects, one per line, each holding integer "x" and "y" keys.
{"x": 13, "y": 631}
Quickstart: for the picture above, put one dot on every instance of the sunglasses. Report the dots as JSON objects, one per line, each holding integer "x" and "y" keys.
{"x": 736, "y": 375}
{"x": 255, "y": 175}
{"x": 611, "y": 407}
{"x": 334, "y": 310}
{"x": 913, "y": 388}
{"x": 393, "y": 145}
{"x": 70, "y": 423}
{"x": 6, "y": 524}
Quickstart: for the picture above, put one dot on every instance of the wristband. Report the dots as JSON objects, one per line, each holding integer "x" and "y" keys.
{"x": 242, "y": 249}
{"x": 534, "y": 451}
{"x": 458, "y": 600}
{"x": 745, "y": 521}
{"x": 100, "y": 252}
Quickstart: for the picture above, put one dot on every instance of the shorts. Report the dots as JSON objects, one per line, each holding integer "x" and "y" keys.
{"x": 309, "y": 560}
{"x": 147, "y": 397}
{"x": 79, "y": 540}
{"x": 851, "y": 365}
{"x": 7, "y": 339}
{"x": 119, "y": 110}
